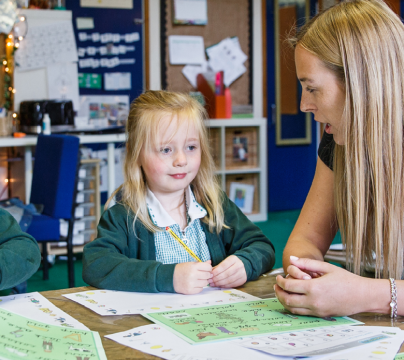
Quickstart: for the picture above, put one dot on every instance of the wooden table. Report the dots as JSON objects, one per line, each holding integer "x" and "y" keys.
{"x": 105, "y": 325}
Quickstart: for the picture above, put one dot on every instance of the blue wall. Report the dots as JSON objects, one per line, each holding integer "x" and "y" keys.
{"x": 290, "y": 168}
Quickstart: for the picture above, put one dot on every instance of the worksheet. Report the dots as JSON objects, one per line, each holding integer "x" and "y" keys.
{"x": 24, "y": 338}
{"x": 36, "y": 307}
{"x": 322, "y": 341}
{"x": 109, "y": 302}
{"x": 158, "y": 341}
{"x": 224, "y": 322}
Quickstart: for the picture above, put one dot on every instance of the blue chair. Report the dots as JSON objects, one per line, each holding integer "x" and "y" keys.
{"x": 54, "y": 185}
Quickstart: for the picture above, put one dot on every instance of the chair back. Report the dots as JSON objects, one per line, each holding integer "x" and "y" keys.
{"x": 54, "y": 179}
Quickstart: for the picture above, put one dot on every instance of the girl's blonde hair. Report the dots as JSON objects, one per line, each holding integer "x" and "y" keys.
{"x": 362, "y": 42}
{"x": 142, "y": 126}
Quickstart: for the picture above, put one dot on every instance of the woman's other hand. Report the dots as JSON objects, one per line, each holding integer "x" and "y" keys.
{"x": 337, "y": 292}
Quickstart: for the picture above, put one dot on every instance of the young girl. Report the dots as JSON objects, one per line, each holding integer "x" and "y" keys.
{"x": 170, "y": 191}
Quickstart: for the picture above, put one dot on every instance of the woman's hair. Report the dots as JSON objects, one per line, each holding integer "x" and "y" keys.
{"x": 362, "y": 42}
{"x": 142, "y": 126}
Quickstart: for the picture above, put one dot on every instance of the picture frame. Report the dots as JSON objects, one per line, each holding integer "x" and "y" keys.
{"x": 240, "y": 149}
{"x": 242, "y": 195}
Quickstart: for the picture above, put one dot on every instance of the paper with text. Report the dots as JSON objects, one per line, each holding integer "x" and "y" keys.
{"x": 109, "y": 302}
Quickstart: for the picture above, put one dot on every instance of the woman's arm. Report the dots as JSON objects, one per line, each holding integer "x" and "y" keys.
{"x": 316, "y": 227}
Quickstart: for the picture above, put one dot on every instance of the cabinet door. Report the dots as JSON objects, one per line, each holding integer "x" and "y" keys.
{"x": 292, "y": 135}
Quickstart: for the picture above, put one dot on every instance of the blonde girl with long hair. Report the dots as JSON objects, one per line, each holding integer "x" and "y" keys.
{"x": 350, "y": 62}
{"x": 170, "y": 191}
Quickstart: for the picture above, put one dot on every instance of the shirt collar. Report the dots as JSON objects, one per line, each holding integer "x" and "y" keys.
{"x": 161, "y": 218}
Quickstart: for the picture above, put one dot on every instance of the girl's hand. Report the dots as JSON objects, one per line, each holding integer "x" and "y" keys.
{"x": 229, "y": 273}
{"x": 336, "y": 293}
{"x": 192, "y": 277}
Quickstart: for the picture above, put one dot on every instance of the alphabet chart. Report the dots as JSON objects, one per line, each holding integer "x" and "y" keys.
{"x": 223, "y": 322}
{"x": 21, "y": 337}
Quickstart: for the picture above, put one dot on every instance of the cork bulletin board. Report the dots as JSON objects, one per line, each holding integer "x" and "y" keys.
{"x": 226, "y": 18}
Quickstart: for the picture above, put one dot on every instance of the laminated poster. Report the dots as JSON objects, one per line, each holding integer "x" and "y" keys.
{"x": 23, "y": 338}
{"x": 223, "y": 322}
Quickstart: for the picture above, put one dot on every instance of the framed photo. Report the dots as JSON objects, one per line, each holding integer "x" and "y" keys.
{"x": 242, "y": 195}
{"x": 240, "y": 148}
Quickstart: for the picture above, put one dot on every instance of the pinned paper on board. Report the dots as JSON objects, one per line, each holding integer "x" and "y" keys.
{"x": 63, "y": 83}
{"x": 47, "y": 45}
{"x": 190, "y": 12}
{"x": 84, "y": 23}
{"x": 227, "y": 56}
{"x": 112, "y": 4}
{"x": 90, "y": 81}
{"x": 109, "y": 37}
{"x": 184, "y": 50}
{"x": 117, "y": 81}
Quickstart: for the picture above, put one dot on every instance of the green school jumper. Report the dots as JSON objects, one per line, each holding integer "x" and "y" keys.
{"x": 19, "y": 252}
{"x": 125, "y": 259}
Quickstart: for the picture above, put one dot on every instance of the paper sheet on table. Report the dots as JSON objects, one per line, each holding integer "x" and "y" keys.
{"x": 322, "y": 341}
{"x": 37, "y": 307}
{"x": 21, "y": 337}
{"x": 185, "y": 50}
{"x": 158, "y": 341}
{"x": 108, "y": 302}
{"x": 47, "y": 45}
{"x": 399, "y": 356}
{"x": 384, "y": 349}
{"x": 250, "y": 318}
{"x": 227, "y": 56}
{"x": 63, "y": 82}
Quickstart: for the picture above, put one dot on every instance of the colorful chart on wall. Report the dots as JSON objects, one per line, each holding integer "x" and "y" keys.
{"x": 23, "y": 338}
{"x": 109, "y": 302}
{"x": 222, "y": 322}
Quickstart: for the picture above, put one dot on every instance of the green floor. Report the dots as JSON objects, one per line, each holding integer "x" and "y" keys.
{"x": 277, "y": 228}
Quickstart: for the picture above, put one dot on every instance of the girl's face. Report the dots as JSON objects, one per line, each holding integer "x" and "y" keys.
{"x": 323, "y": 93}
{"x": 172, "y": 164}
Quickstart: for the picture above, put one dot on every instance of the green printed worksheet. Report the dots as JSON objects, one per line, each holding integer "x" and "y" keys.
{"x": 222, "y": 322}
{"x": 399, "y": 356}
{"x": 23, "y": 338}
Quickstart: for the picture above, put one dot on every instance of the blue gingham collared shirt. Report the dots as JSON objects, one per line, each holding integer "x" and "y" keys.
{"x": 169, "y": 250}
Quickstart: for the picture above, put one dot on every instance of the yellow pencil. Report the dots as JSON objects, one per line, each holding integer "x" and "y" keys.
{"x": 190, "y": 252}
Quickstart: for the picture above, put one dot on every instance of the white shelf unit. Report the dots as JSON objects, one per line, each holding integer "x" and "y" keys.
{"x": 256, "y": 171}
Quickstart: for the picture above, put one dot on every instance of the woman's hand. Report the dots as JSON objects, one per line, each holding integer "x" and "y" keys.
{"x": 229, "y": 273}
{"x": 192, "y": 277}
{"x": 336, "y": 292}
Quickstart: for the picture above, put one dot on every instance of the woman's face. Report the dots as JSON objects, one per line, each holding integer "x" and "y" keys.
{"x": 323, "y": 94}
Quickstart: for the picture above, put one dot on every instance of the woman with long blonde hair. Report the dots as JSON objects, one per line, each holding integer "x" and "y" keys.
{"x": 350, "y": 62}
{"x": 173, "y": 229}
